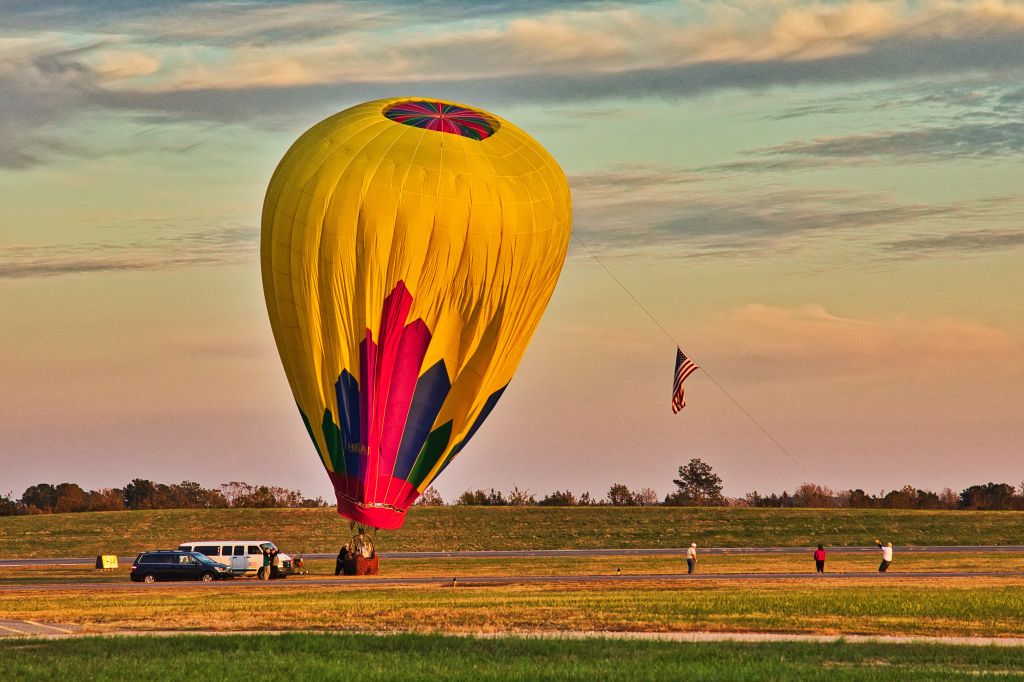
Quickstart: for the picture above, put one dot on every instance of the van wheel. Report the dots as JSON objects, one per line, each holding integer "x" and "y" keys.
{"x": 206, "y": 577}
{"x": 149, "y": 578}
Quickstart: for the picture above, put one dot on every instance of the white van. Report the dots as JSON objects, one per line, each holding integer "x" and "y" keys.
{"x": 244, "y": 557}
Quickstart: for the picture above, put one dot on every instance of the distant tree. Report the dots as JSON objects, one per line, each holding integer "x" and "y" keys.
{"x": 646, "y": 497}
{"x": 904, "y": 498}
{"x": 472, "y": 498}
{"x": 773, "y": 500}
{"x": 255, "y": 497}
{"x": 40, "y": 498}
{"x": 698, "y": 486}
{"x": 430, "y": 498}
{"x": 482, "y": 498}
{"x": 926, "y": 499}
{"x": 520, "y": 498}
{"x": 9, "y": 506}
{"x": 105, "y": 499}
{"x": 948, "y": 499}
{"x": 586, "y": 500}
{"x": 814, "y": 495}
{"x": 620, "y": 496}
{"x": 69, "y": 498}
{"x": 988, "y": 496}
{"x": 141, "y": 494}
{"x": 559, "y": 498}
{"x": 191, "y": 495}
{"x": 858, "y": 499}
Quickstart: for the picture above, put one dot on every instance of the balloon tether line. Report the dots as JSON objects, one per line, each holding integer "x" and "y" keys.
{"x": 721, "y": 388}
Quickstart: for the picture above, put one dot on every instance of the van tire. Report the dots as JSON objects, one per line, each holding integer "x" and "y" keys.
{"x": 206, "y": 577}
{"x": 149, "y": 578}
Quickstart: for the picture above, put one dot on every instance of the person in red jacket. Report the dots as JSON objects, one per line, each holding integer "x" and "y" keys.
{"x": 819, "y": 559}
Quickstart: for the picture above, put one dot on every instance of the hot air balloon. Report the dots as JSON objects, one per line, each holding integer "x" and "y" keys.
{"x": 409, "y": 247}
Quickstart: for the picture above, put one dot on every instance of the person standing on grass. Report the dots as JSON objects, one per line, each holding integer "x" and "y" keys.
{"x": 275, "y": 563}
{"x": 339, "y": 563}
{"x": 691, "y": 558}
{"x": 819, "y": 559}
{"x": 886, "y": 556}
{"x": 265, "y": 571}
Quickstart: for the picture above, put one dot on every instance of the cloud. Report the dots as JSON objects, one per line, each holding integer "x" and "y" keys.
{"x": 274, "y": 64}
{"x": 213, "y": 246}
{"x": 974, "y": 140}
{"x": 810, "y": 341}
{"x": 558, "y": 52}
{"x": 970, "y": 121}
{"x": 617, "y": 49}
{"x": 43, "y": 87}
{"x": 958, "y": 243}
{"x": 636, "y": 207}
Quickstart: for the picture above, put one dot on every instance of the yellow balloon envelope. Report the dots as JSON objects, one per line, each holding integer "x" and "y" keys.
{"x": 409, "y": 248}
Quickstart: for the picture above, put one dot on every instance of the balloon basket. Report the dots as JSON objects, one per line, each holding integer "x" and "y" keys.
{"x": 362, "y": 566}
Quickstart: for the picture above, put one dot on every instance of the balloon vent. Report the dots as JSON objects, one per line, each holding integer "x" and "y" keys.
{"x": 444, "y": 118}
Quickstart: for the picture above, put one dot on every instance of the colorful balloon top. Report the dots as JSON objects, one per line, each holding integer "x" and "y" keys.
{"x": 409, "y": 248}
{"x": 445, "y": 118}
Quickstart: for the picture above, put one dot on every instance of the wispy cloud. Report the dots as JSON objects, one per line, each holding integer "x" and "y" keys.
{"x": 212, "y": 246}
{"x": 966, "y": 140}
{"x": 810, "y": 340}
{"x": 958, "y": 243}
{"x": 638, "y": 207}
{"x": 202, "y": 59}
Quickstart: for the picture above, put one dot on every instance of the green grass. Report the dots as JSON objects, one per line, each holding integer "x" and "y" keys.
{"x": 935, "y": 606}
{"x": 495, "y": 528}
{"x": 419, "y": 657}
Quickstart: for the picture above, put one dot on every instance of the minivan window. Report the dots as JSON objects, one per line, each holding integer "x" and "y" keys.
{"x": 156, "y": 558}
{"x": 239, "y": 550}
{"x": 185, "y": 548}
{"x": 186, "y": 559}
{"x": 254, "y": 549}
{"x": 208, "y": 550}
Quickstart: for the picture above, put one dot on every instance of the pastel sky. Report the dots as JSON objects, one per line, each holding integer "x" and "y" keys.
{"x": 822, "y": 201}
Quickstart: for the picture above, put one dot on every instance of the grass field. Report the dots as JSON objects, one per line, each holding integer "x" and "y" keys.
{"x": 420, "y": 657}
{"x": 495, "y": 528}
{"x": 947, "y": 606}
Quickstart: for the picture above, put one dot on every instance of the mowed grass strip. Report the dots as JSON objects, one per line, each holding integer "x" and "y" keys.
{"x": 584, "y": 565}
{"x": 424, "y": 657}
{"x": 503, "y": 528}
{"x": 955, "y": 606}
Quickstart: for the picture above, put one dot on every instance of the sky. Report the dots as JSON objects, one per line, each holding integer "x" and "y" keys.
{"x": 820, "y": 202}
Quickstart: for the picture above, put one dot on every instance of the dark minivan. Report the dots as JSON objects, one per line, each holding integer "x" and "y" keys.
{"x": 149, "y": 567}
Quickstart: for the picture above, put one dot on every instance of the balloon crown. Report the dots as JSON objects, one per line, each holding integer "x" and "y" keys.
{"x": 454, "y": 119}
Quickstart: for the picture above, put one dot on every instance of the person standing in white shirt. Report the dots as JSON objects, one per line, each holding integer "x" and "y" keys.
{"x": 691, "y": 558}
{"x": 886, "y": 556}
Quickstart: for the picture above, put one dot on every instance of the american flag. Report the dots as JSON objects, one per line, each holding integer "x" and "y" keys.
{"x": 684, "y": 368}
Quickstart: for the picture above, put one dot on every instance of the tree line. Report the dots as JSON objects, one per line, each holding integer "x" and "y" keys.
{"x": 697, "y": 486}
{"x": 46, "y": 498}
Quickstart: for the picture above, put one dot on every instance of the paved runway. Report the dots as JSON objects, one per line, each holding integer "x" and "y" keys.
{"x": 674, "y": 551}
{"x": 480, "y": 581}
{"x": 30, "y": 628}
